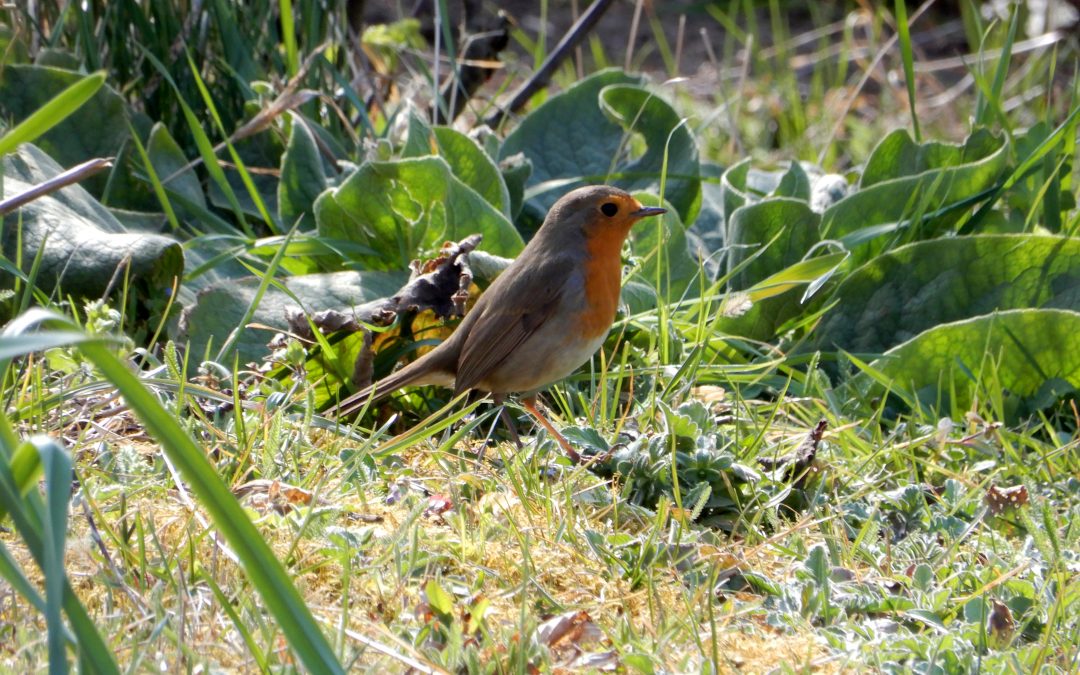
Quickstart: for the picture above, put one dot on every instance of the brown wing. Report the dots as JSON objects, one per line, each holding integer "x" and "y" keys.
{"x": 530, "y": 298}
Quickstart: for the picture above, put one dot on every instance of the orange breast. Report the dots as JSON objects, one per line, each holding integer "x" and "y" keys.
{"x": 603, "y": 272}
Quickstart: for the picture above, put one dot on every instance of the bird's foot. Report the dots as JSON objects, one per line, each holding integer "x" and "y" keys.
{"x": 530, "y": 406}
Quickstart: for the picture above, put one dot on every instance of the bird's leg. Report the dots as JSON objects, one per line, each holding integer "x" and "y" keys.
{"x": 504, "y": 415}
{"x": 530, "y": 405}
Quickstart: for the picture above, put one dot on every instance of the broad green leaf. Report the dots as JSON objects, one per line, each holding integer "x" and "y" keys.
{"x": 1018, "y": 350}
{"x": 762, "y": 319}
{"x": 569, "y": 140}
{"x": 219, "y": 309}
{"x": 928, "y": 617}
{"x": 53, "y": 112}
{"x": 794, "y": 183}
{"x": 84, "y": 244}
{"x": 57, "y": 57}
{"x": 99, "y": 130}
{"x": 515, "y": 171}
{"x": 800, "y": 274}
{"x": 733, "y": 189}
{"x": 639, "y": 111}
{"x": 404, "y": 208}
{"x": 418, "y": 142}
{"x": 472, "y": 166}
{"x": 303, "y": 178}
{"x": 960, "y": 178}
{"x": 773, "y": 302}
{"x": 786, "y": 227}
{"x": 260, "y": 150}
{"x": 173, "y": 168}
{"x": 899, "y": 294}
{"x": 662, "y": 244}
{"x": 742, "y": 184}
{"x": 707, "y": 232}
{"x": 898, "y": 155}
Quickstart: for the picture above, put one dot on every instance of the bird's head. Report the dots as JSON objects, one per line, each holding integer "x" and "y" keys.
{"x": 597, "y": 211}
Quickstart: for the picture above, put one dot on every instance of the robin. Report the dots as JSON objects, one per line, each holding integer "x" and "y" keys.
{"x": 543, "y": 317}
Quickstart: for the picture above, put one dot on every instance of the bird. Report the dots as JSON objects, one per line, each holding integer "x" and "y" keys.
{"x": 542, "y": 318}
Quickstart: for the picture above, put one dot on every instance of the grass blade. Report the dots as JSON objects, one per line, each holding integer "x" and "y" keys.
{"x": 57, "y": 465}
{"x": 27, "y": 514}
{"x": 909, "y": 63}
{"x": 262, "y": 566}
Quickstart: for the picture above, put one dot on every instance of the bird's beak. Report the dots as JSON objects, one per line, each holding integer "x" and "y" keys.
{"x": 646, "y": 211}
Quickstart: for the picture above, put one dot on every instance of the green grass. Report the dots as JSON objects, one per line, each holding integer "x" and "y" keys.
{"x": 215, "y": 520}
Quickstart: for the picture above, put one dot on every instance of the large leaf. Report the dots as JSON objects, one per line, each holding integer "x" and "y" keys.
{"x": 99, "y": 130}
{"x": 219, "y": 309}
{"x": 786, "y": 227}
{"x": 762, "y": 319}
{"x": 51, "y": 113}
{"x": 472, "y": 166}
{"x": 670, "y": 148}
{"x": 173, "y": 169}
{"x": 1023, "y": 350}
{"x": 734, "y": 191}
{"x": 584, "y": 136}
{"x": 936, "y": 189}
{"x": 470, "y": 163}
{"x": 667, "y": 264}
{"x": 760, "y": 311}
{"x": 261, "y": 151}
{"x": 303, "y": 178}
{"x": 795, "y": 183}
{"x": 568, "y": 139}
{"x": 741, "y": 184}
{"x": 707, "y": 230}
{"x": 898, "y": 155}
{"x": 910, "y": 289}
{"x": 399, "y": 209}
{"x": 84, "y": 244}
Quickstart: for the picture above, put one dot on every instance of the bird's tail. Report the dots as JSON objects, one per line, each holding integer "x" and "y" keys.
{"x": 417, "y": 372}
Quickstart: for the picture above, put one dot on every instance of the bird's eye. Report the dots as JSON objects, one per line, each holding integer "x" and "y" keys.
{"x": 609, "y": 209}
